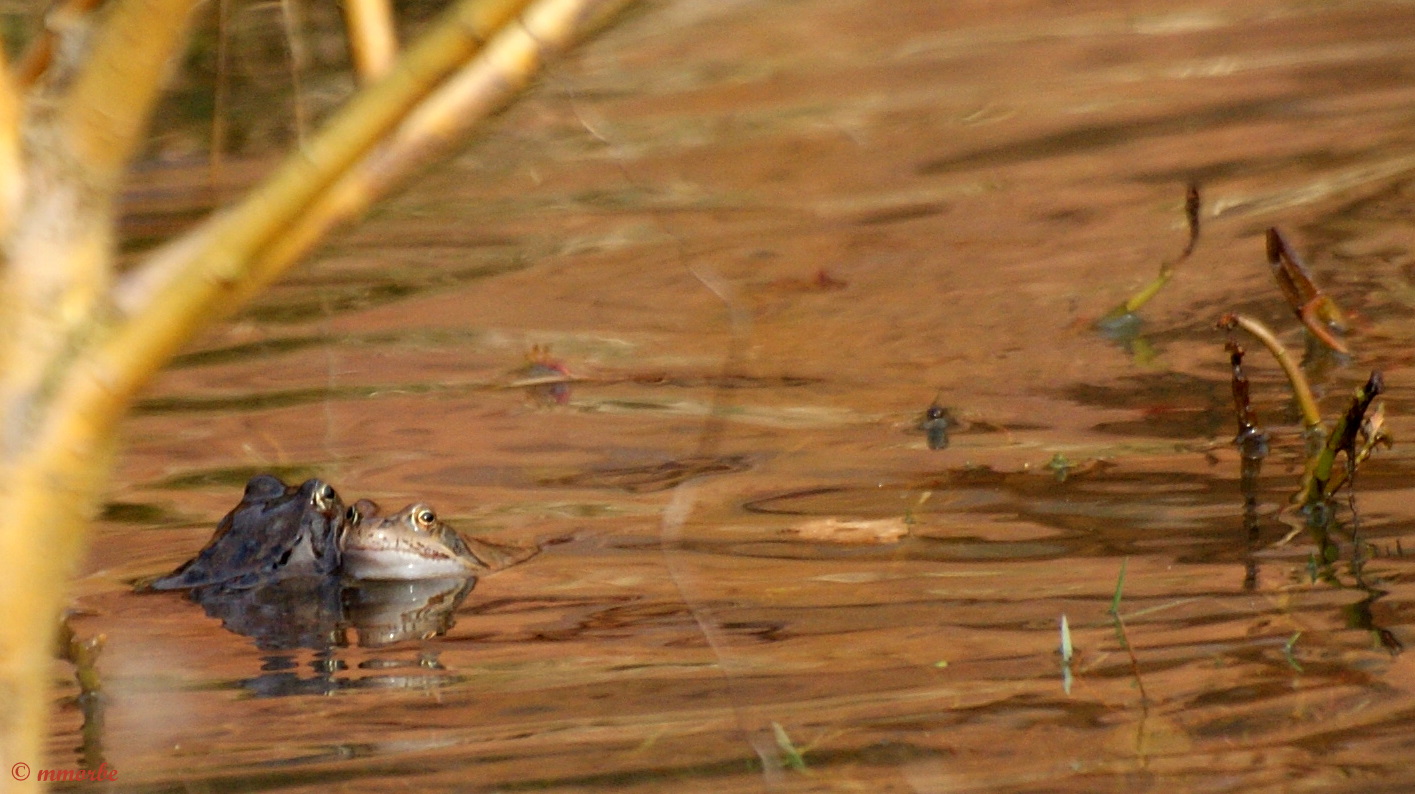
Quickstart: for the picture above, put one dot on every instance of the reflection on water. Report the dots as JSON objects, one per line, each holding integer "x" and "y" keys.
{"x": 317, "y": 612}
{"x": 930, "y": 201}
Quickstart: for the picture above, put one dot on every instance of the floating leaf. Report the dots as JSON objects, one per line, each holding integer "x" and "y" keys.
{"x": 838, "y": 530}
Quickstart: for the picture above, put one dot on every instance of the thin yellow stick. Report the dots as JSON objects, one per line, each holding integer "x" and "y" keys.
{"x": 484, "y": 86}
{"x": 373, "y": 40}
{"x": 1301, "y": 390}
{"x": 11, "y": 169}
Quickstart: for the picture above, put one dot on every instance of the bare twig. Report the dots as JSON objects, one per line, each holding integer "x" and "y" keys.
{"x": 1311, "y": 416}
{"x": 11, "y": 168}
{"x": 472, "y": 94}
{"x": 220, "y": 265}
{"x": 373, "y": 40}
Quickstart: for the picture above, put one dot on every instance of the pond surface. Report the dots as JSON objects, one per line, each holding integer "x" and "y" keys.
{"x": 765, "y": 237}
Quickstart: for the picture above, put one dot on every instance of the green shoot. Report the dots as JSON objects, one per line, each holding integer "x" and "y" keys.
{"x": 1119, "y": 586}
{"x": 1287, "y": 652}
{"x": 1150, "y": 290}
{"x": 794, "y": 759}
{"x": 1120, "y": 631}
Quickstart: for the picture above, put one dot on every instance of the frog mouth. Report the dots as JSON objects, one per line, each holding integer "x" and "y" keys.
{"x": 378, "y": 555}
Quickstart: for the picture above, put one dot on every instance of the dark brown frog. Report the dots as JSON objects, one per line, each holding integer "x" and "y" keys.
{"x": 276, "y": 530}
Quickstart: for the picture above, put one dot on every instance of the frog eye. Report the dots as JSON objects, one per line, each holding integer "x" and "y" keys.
{"x": 324, "y": 497}
{"x": 426, "y": 517}
{"x": 352, "y": 515}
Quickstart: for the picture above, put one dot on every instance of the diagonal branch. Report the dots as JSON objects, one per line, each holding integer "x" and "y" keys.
{"x": 216, "y": 265}
{"x": 474, "y": 93}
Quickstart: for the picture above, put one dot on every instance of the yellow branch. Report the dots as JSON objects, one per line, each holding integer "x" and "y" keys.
{"x": 106, "y": 109}
{"x": 373, "y": 41}
{"x": 215, "y": 266}
{"x": 507, "y": 64}
{"x": 11, "y": 169}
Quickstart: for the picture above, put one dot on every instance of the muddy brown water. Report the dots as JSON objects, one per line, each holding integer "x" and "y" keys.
{"x": 767, "y": 236}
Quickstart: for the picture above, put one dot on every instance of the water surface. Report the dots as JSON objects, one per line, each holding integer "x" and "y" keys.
{"x": 766, "y": 236}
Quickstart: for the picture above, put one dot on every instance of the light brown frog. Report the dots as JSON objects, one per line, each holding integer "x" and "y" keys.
{"x": 414, "y": 544}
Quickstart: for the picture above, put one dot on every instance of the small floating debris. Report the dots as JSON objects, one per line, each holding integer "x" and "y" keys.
{"x": 934, "y": 423}
{"x": 852, "y": 531}
{"x": 545, "y": 378}
{"x": 822, "y": 281}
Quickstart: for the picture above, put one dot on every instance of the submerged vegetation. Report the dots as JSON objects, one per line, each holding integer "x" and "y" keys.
{"x": 1354, "y": 435}
{"x": 1122, "y": 323}
{"x": 1333, "y": 451}
{"x": 1125, "y": 312}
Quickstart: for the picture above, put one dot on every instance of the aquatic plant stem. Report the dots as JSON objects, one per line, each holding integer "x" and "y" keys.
{"x": 1318, "y": 313}
{"x": 1146, "y": 293}
{"x": 1311, "y": 416}
{"x": 754, "y": 731}
{"x": 1150, "y": 290}
{"x": 1124, "y": 638}
{"x": 1321, "y": 480}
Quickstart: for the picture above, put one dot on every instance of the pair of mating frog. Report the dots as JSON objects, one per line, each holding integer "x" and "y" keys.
{"x": 280, "y": 530}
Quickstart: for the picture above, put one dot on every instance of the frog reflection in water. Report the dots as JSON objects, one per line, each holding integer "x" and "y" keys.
{"x": 291, "y": 568}
{"x": 414, "y": 544}
{"x": 276, "y": 531}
